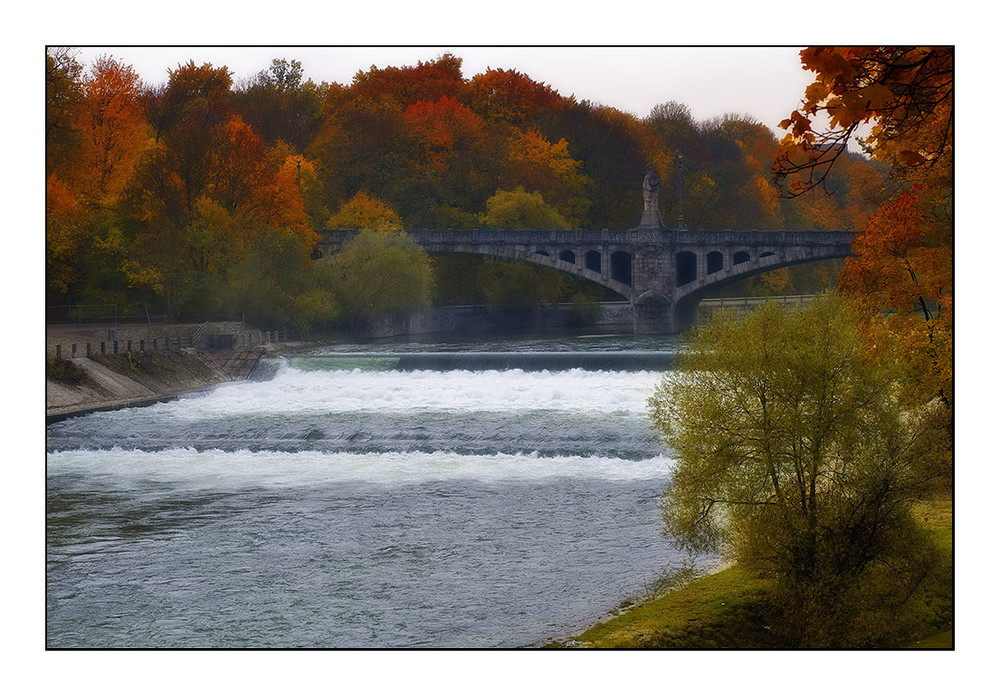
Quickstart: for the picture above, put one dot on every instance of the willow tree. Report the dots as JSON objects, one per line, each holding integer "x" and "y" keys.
{"x": 797, "y": 458}
{"x": 381, "y": 275}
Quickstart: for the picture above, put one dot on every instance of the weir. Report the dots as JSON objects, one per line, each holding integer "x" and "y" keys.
{"x": 662, "y": 272}
{"x": 473, "y": 361}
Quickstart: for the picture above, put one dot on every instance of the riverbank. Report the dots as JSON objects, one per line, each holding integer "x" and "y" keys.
{"x": 78, "y": 383}
{"x": 725, "y": 609}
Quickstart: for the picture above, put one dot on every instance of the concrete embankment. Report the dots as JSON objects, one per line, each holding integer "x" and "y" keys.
{"x": 108, "y": 382}
{"x": 94, "y": 381}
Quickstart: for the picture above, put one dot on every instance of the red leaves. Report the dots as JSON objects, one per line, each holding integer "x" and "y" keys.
{"x": 445, "y": 126}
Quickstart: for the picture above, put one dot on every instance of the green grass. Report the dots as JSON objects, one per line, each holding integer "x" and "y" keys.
{"x": 720, "y": 610}
{"x": 727, "y": 609}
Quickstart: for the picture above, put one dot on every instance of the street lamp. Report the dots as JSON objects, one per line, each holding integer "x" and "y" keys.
{"x": 680, "y": 191}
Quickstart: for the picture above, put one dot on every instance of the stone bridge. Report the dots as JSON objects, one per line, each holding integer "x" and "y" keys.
{"x": 662, "y": 272}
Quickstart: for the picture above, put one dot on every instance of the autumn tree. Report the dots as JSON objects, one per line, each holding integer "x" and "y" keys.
{"x": 535, "y": 164}
{"x": 522, "y": 210}
{"x": 305, "y": 174}
{"x": 452, "y": 170}
{"x": 797, "y": 457}
{"x": 96, "y": 133}
{"x": 902, "y": 265}
{"x": 427, "y": 81}
{"x": 511, "y": 98}
{"x": 62, "y": 240}
{"x": 364, "y": 212}
{"x": 112, "y": 127}
{"x": 279, "y": 105}
{"x": 210, "y": 203}
{"x": 904, "y": 93}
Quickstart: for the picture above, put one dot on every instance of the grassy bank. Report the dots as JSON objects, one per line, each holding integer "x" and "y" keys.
{"x": 727, "y": 609}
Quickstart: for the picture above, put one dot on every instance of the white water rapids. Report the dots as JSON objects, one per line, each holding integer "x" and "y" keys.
{"x": 356, "y": 504}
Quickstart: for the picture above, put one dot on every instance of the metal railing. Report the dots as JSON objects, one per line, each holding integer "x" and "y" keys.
{"x": 751, "y": 302}
{"x": 102, "y": 314}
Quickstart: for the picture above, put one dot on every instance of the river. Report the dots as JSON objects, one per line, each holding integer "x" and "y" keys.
{"x": 482, "y": 495}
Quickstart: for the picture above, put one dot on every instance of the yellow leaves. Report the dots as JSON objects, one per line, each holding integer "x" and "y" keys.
{"x": 851, "y": 107}
{"x": 801, "y": 125}
{"x": 815, "y": 94}
{"x": 534, "y": 148}
{"x": 364, "y": 212}
{"x": 777, "y": 280}
{"x": 140, "y": 276}
{"x": 536, "y": 164}
{"x": 522, "y": 210}
{"x": 842, "y": 114}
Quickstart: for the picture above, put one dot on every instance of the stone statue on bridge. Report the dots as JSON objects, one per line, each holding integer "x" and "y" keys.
{"x": 650, "y": 200}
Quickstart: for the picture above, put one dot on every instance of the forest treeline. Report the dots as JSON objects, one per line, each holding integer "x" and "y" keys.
{"x": 202, "y": 196}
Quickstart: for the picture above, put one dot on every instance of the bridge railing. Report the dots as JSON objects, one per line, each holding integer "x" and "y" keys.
{"x": 699, "y": 237}
{"x": 749, "y": 303}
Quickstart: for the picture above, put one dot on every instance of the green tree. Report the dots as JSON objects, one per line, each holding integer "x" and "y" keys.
{"x": 797, "y": 458}
{"x": 63, "y": 104}
{"x": 381, "y": 275}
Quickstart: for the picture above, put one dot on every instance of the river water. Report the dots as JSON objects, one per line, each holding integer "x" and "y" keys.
{"x": 494, "y": 494}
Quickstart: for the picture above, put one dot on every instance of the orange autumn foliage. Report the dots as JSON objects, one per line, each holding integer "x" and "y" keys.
{"x": 904, "y": 93}
{"x": 112, "y": 128}
{"x": 902, "y": 269}
{"x": 444, "y": 127}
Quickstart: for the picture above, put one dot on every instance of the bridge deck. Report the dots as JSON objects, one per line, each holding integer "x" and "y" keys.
{"x": 664, "y": 270}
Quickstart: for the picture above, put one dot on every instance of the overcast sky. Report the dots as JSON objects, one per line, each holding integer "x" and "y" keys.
{"x": 764, "y": 82}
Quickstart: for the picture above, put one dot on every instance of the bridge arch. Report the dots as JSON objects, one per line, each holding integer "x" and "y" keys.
{"x": 661, "y": 272}
{"x": 687, "y": 297}
{"x": 686, "y": 267}
{"x": 715, "y": 262}
{"x": 621, "y": 267}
